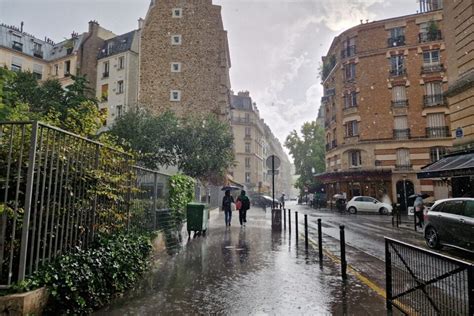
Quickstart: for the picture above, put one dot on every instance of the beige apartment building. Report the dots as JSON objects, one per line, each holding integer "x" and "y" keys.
{"x": 20, "y": 51}
{"x": 385, "y": 108}
{"x": 184, "y": 59}
{"x": 118, "y": 75}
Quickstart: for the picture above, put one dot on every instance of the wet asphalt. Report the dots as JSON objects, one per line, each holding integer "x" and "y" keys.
{"x": 246, "y": 271}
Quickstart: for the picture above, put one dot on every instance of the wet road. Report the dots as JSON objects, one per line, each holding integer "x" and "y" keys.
{"x": 246, "y": 271}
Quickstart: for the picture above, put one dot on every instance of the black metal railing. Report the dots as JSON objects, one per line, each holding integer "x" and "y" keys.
{"x": 398, "y": 72}
{"x": 349, "y": 51}
{"x": 105, "y": 74}
{"x": 430, "y": 68}
{"x": 403, "y": 166}
{"x": 400, "y": 103}
{"x": 59, "y": 190}
{"x": 334, "y": 144}
{"x": 433, "y": 100}
{"x": 401, "y": 133}
{"x": 423, "y": 282}
{"x": 437, "y": 132}
{"x": 430, "y": 36}
{"x": 396, "y": 41}
{"x": 38, "y": 53}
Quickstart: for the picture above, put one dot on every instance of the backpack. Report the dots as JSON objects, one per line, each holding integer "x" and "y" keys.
{"x": 227, "y": 202}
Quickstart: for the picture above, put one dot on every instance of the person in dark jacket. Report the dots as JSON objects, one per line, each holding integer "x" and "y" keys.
{"x": 244, "y": 206}
{"x": 227, "y": 207}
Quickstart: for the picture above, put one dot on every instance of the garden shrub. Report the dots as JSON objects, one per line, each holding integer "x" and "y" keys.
{"x": 181, "y": 192}
{"x": 85, "y": 280}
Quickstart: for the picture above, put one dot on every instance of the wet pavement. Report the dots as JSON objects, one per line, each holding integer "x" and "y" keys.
{"x": 247, "y": 271}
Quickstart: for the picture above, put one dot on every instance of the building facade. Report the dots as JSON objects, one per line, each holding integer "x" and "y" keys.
{"x": 385, "y": 110}
{"x": 20, "y": 51}
{"x": 118, "y": 75}
{"x": 184, "y": 59}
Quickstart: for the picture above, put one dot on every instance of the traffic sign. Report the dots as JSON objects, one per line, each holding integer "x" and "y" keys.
{"x": 276, "y": 163}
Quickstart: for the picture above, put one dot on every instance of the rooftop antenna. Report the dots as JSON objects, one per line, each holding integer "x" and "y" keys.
{"x": 21, "y": 26}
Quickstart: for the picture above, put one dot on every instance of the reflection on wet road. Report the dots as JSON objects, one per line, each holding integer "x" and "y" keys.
{"x": 246, "y": 271}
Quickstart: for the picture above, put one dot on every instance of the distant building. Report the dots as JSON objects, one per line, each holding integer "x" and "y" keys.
{"x": 118, "y": 75}
{"x": 385, "y": 107}
{"x": 20, "y": 51}
{"x": 184, "y": 59}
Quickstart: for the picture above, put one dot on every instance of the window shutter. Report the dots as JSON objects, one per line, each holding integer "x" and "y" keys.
{"x": 436, "y": 120}
{"x": 399, "y": 93}
{"x": 401, "y": 122}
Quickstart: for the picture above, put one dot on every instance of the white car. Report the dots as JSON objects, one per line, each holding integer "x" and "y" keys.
{"x": 367, "y": 204}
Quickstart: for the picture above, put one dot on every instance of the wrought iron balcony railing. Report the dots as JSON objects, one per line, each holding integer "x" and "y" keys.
{"x": 401, "y": 133}
{"x": 430, "y": 36}
{"x": 400, "y": 103}
{"x": 396, "y": 41}
{"x": 437, "y": 132}
{"x": 430, "y": 68}
{"x": 398, "y": 72}
{"x": 434, "y": 100}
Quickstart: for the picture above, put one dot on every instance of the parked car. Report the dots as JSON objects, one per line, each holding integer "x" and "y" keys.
{"x": 450, "y": 222}
{"x": 262, "y": 201}
{"x": 367, "y": 204}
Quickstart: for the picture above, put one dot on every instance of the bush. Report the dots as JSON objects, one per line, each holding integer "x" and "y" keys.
{"x": 181, "y": 193}
{"x": 86, "y": 280}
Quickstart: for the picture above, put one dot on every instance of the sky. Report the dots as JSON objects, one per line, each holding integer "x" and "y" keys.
{"x": 275, "y": 45}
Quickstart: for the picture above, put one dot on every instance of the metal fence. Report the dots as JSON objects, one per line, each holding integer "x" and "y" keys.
{"x": 423, "y": 282}
{"x": 58, "y": 190}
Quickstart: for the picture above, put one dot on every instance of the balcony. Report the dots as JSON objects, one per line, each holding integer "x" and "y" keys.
{"x": 331, "y": 145}
{"x": 242, "y": 120}
{"x": 348, "y": 51}
{"x": 105, "y": 74}
{"x": 400, "y": 103}
{"x": 430, "y": 36}
{"x": 437, "y": 132}
{"x": 396, "y": 41}
{"x": 398, "y": 72}
{"x": 334, "y": 144}
{"x": 434, "y": 100}
{"x": 17, "y": 46}
{"x": 38, "y": 53}
{"x": 401, "y": 133}
{"x": 430, "y": 68}
{"x": 403, "y": 167}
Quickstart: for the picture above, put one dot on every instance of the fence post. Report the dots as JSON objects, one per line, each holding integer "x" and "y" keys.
{"x": 296, "y": 226}
{"x": 306, "y": 231}
{"x": 388, "y": 277}
{"x": 28, "y": 199}
{"x": 320, "y": 241}
{"x": 155, "y": 196}
{"x": 284, "y": 218}
{"x": 94, "y": 205}
{"x": 289, "y": 222}
{"x": 343, "y": 253}
{"x": 470, "y": 289}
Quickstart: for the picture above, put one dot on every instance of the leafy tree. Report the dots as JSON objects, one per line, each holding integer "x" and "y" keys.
{"x": 308, "y": 154}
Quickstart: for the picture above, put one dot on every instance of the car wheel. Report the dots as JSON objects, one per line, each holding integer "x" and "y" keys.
{"x": 352, "y": 210}
{"x": 383, "y": 211}
{"x": 432, "y": 238}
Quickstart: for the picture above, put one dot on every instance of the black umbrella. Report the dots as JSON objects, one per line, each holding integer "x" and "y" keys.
{"x": 230, "y": 188}
{"x": 422, "y": 195}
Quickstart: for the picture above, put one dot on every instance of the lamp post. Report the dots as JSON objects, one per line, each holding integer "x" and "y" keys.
{"x": 405, "y": 192}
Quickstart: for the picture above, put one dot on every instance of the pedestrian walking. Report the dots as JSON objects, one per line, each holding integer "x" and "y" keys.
{"x": 282, "y": 200}
{"x": 243, "y": 204}
{"x": 419, "y": 207}
{"x": 227, "y": 202}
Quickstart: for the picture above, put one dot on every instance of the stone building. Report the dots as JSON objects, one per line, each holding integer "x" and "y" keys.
{"x": 117, "y": 75}
{"x": 20, "y": 51}
{"x": 184, "y": 59}
{"x": 386, "y": 114}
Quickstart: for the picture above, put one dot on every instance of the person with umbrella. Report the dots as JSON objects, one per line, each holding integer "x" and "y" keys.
{"x": 419, "y": 207}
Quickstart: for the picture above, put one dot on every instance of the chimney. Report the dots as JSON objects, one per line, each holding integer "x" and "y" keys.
{"x": 140, "y": 23}
{"x": 21, "y": 26}
{"x": 93, "y": 26}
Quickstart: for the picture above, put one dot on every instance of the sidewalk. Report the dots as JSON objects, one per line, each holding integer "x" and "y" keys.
{"x": 247, "y": 271}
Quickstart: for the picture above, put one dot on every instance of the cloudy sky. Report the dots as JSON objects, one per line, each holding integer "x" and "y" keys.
{"x": 276, "y": 45}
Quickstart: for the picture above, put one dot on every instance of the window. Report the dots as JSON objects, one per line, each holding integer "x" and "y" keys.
{"x": 247, "y": 162}
{"x": 397, "y": 65}
{"x": 434, "y": 88}
{"x": 403, "y": 158}
{"x": 248, "y": 132}
{"x": 431, "y": 57}
{"x": 121, "y": 62}
{"x": 469, "y": 208}
{"x": 175, "y": 67}
{"x": 352, "y": 128}
{"x": 176, "y": 40}
{"x": 401, "y": 130}
{"x": 120, "y": 86}
{"x": 247, "y": 148}
{"x": 37, "y": 50}
{"x": 452, "y": 207}
{"x": 355, "y": 158}
{"x": 436, "y": 153}
{"x": 119, "y": 110}
{"x": 436, "y": 125}
{"x": 16, "y": 68}
{"x": 38, "y": 71}
{"x": 175, "y": 95}
{"x": 399, "y": 96}
{"x": 247, "y": 118}
{"x": 247, "y": 177}
{"x": 434, "y": 94}
{"x": 177, "y": 12}
{"x": 350, "y": 71}
{"x": 67, "y": 68}
{"x": 350, "y": 100}
{"x": 106, "y": 67}
{"x": 56, "y": 70}
{"x": 17, "y": 44}
{"x": 104, "y": 95}
{"x": 397, "y": 37}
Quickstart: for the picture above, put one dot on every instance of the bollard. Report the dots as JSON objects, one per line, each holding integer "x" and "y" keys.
{"x": 306, "y": 231}
{"x": 289, "y": 221}
{"x": 284, "y": 219}
{"x": 343, "y": 254}
{"x": 320, "y": 241}
{"x": 296, "y": 225}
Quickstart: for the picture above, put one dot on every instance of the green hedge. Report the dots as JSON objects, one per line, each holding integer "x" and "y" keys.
{"x": 180, "y": 194}
{"x": 86, "y": 280}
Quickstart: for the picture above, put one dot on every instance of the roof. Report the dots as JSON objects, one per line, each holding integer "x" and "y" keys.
{"x": 454, "y": 165}
{"x": 116, "y": 45}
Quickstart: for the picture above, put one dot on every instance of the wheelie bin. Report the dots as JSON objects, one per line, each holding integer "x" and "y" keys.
{"x": 197, "y": 218}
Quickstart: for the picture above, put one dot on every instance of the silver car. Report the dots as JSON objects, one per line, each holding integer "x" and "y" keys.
{"x": 450, "y": 223}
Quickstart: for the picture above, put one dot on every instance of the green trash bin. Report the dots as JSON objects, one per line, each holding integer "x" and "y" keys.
{"x": 197, "y": 218}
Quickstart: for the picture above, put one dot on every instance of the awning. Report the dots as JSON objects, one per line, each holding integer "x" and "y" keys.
{"x": 455, "y": 165}
{"x": 355, "y": 175}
